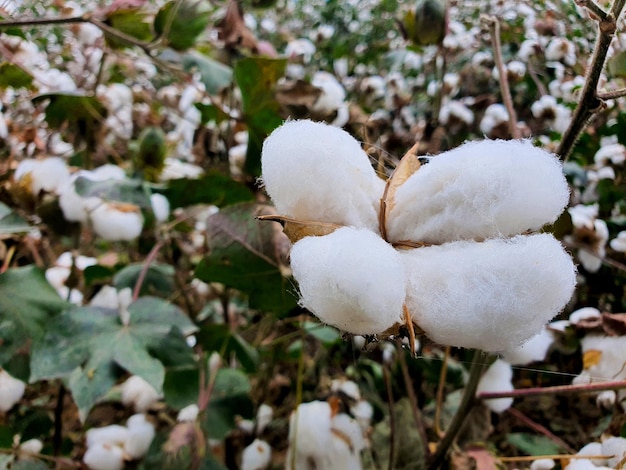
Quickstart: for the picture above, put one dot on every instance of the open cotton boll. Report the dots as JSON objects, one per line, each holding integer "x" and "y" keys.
{"x": 140, "y": 435}
{"x": 309, "y": 434}
{"x": 109, "y": 435}
{"x": 615, "y": 446}
{"x": 533, "y": 350}
{"x": 138, "y": 393}
{"x": 264, "y": 416}
{"x": 11, "y": 390}
{"x": 256, "y": 456}
{"x": 104, "y": 457}
{"x": 542, "y": 464}
{"x": 313, "y": 171}
{"x": 349, "y": 387}
{"x": 116, "y": 221}
{"x": 188, "y": 413}
{"x": 492, "y": 295}
{"x": 480, "y": 190}
{"x": 593, "y": 449}
{"x": 351, "y": 279}
{"x": 497, "y": 379}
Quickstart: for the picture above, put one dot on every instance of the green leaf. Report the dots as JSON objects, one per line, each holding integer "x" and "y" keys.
{"x": 181, "y": 386}
{"x": 10, "y": 222}
{"x": 257, "y": 78}
{"x": 326, "y": 334}
{"x": 182, "y": 22}
{"x": 150, "y": 158}
{"x": 13, "y": 76}
{"x": 212, "y": 188}
{"x": 29, "y": 465}
{"x": 229, "y": 399}
{"x": 533, "y": 444}
{"x": 221, "y": 339}
{"x": 243, "y": 254}
{"x": 24, "y": 317}
{"x": 87, "y": 345}
{"x": 159, "y": 279}
{"x": 127, "y": 190}
{"x": 215, "y": 75}
{"x": 132, "y": 22}
{"x": 87, "y": 112}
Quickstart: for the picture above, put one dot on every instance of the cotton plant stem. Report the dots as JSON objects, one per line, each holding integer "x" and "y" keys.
{"x": 392, "y": 417}
{"x": 540, "y": 429}
{"x": 611, "y": 95}
{"x": 556, "y": 390}
{"x": 589, "y": 102}
{"x": 593, "y": 7}
{"x": 144, "y": 269}
{"x": 532, "y": 458}
{"x": 467, "y": 403}
{"x": 440, "y": 389}
{"x": 505, "y": 91}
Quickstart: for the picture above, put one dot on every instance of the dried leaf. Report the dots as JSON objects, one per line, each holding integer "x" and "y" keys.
{"x": 297, "y": 97}
{"x": 233, "y": 30}
{"x": 591, "y": 358}
{"x": 297, "y": 229}
{"x": 408, "y": 165}
{"x": 614, "y": 324}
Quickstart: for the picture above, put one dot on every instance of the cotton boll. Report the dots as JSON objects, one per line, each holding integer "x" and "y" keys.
{"x": 580, "y": 464}
{"x": 11, "y": 391}
{"x": 349, "y": 428}
{"x": 256, "y": 456}
{"x": 615, "y": 446}
{"x": 533, "y": 350}
{"x": 309, "y": 432}
{"x": 348, "y": 387}
{"x": 619, "y": 242}
{"x": 313, "y": 171}
{"x": 333, "y": 93}
{"x": 542, "y": 464}
{"x": 351, "y": 279}
{"x": 116, "y": 221}
{"x": 31, "y": 446}
{"x": 479, "y": 190}
{"x": 140, "y": 435}
{"x": 608, "y": 353}
{"x": 497, "y": 379}
{"x": 110, "y": 435}
{"x": 591, "y": 449}
{"x": 495, "y": 115}
{"x": 585, "y": 313}
{"x": 160, "y": 207}
{"x": 138, "y": 393}
{"x": 363, "y": 412}
{"x": 606, "y": 399}
{"x": 492, "y": 295}
{"x": 264, "y": 416}
{"x": 188, "y": 413}
{"x": 104, "y": 457}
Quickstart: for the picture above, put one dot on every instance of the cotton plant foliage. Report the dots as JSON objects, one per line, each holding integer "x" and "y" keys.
{"x": 443, "y": 245}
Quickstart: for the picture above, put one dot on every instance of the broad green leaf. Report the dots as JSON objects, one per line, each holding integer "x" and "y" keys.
{"x": 212, "y": 188}
{"x": 326, "y": 334}
{"x": 221, "y": 339}
{"x": 229, "y": 399}
{"x": 88, "y": 345}
{"x": 87, "y": 112}
{"x": 181, "y": 386}
{"x": 10, "y": 222}
{"x": 13, "y": 76}
{"x": 159, "y": 279}
{"x": 244, "y": 255}
{"x": 28, "y": 305}
{"x": 132, "y": 22}
{"x": 215, "y": 75}
{"x": 533, "y": 444}
{"x": 182, "y": 22}
{"x": 127, "y": 190}
{"x": 257, "y": 78}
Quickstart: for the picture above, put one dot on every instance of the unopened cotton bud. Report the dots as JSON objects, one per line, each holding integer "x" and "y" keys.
{"x": 140, "y": 435}
{"x": 104, "y": 457}
{"x": 351, "y": 279}
{"x": 497, "y": 379}
{"x": 313, "y": 171}
{"x": 480, "y": 190}
{"x": 256, "y": 456}
{"x": 188, "y": 413}
{"x": 11, "y": 391}
{"x": 138, "y": 393}
{"x": 492, "y": 295}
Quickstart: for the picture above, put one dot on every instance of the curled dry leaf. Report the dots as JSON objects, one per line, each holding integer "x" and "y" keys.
{"x": 298, "y": 229}
{"x": 233, "y": 30}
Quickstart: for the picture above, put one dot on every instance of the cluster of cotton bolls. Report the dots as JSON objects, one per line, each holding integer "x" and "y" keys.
{"x": 258, "y": 454}
{"x": 604, "y": 455}
{"x": 473, "y": 283}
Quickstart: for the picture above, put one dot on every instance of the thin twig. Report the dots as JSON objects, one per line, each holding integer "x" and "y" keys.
{"x": 611, "y": 95}
{"x": 531, "y": 458}
{"x": 392, "y": 417}
{"x": 505, "y": 91}
{"x": 467, "y": 402}
{"x": 440, "y": 389}
{"x": 541, "y": 429}
{"x": 556, "y": 390}
{"x": 589, "y": 102}
{"x": 144, "y": 270}
{"x": 593, "y": 8}
{"x": 417, "y": 417}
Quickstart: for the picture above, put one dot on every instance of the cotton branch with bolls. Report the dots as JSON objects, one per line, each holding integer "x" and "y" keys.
{"x": 441, "y": 246}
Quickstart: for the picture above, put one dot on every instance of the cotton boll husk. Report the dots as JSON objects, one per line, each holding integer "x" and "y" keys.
{"x": 309, "y": 430}
{"x": 138, "y": 393}
{"x": 615, "y": 446}
{"x": 497, "y": 379}
{"x": 351, "y": 279}
{"x": 479, "y": 190}
{"x": 313, "y": 171}
{"x": 116, "y": 222}
{"x": 11, "y": 390}
{"x": 492, "y": 295}
{"x": 256, "y": 456}
{"x": 140, "y": 435}
{"x": 533, "y": 350}
{"x": 104, "y": 457}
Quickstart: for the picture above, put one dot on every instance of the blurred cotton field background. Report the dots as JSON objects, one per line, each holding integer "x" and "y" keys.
{"x": 149, "y": 320}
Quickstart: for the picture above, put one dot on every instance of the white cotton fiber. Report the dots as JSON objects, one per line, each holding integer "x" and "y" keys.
{"x": 497, "y": 379}
{"x": 313, "y": 171}
{"x": 492, "y": 295}
{"x": 351, "y": 279}
{"x": 533, "y": 350}
{"x": 480, "y": 190}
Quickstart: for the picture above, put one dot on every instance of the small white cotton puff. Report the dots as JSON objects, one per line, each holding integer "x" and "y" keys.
{"x": 116, "y": 222}
{"x": 497, "y": 379}
{"x": 533, "y": 350}
{"x": 480, "y": 190}
{"x": 188, "y": 413}
{"x": 351, "y": 279}
{"x": 256, "y": 456}
{"x": 309, "y": 434}
{"x": 313, "y": 171}
{"x": 140, "y": 435}
{"x": 138, "y": 393}
{"x": 104, "y": 457}
{"x": 585, "y": 313}
{"x": 264, "y": 416}
{"x": 593, "y": 449}
{"x": 615, "y": 446}
{"x": 542, "y": 464}
{"x": 349, "y": 387}
{"x": 492, "y": 295}
{"x": 11, "y": 391}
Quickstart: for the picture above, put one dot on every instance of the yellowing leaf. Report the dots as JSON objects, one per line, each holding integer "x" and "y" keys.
{"x": 297, "y": 229}
{"x": 591, "y": 358}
